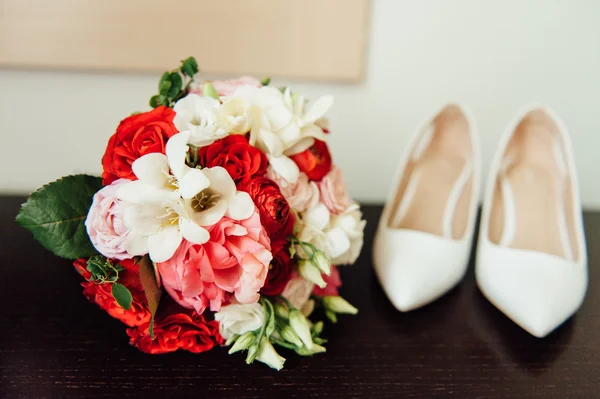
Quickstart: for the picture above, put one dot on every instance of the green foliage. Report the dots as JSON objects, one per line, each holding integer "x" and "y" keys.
{"x": 189, "y": 67}
{"x": 122, "y": 295}
{"x": 266, "y": 81}
{"x": 103, "y": 270}
{"x": 175, "y": 84}
{"x": 56, "y": 213}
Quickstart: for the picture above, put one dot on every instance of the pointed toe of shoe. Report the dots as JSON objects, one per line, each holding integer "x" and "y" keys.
{"x": 539, "y": 292}
{"x": 415, "y": 268}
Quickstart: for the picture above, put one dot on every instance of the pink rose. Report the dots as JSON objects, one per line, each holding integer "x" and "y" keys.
{"x": 227, "y": 87}
{"x": 334, "y": 193}
{"x": 301, "y": 195}
{"x": 104, "y": 222}
{"x": 297, "y": 290}
{"x": 234, "y": 261}
{"x": 333, "y": 283}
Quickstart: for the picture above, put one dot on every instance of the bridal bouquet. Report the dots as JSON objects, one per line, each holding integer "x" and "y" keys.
{"x": 219, "y": 219}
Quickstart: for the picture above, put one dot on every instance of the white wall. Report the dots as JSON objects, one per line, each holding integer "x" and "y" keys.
{"x": 495, "y": 55}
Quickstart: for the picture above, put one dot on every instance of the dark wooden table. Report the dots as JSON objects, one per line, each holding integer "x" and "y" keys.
{"x": 55, "y": 344}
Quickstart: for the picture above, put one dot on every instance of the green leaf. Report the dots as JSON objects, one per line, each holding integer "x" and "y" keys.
{"x": 56, "y": 213}
{"x": 164, "y": 87}
{"x": 154, "y": 102}
{"x": 151, "y": 289}
{"x": 163, "y": 78}
{"x": 122, "y": 295}
{"x": 189, "y": 67}
{"x": 176, "y": 85}
{"x": 266, "y": 81}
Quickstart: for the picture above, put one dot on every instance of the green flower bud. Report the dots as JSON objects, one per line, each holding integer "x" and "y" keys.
{"x": 312, "y": 351}
{"x": 243, "y": 342}
{"x": 269, "y": 356}
{"x": 322, "y": 262}
{"x": 282, "y": 311}
{"x": 338, "y": 304}
{"x": 311, "y": 273}
{"x": 208, "y": 90}
{"x": 317, "y": 328}
{"x": 288, "y": 334}
{"x": 300, "y": 326}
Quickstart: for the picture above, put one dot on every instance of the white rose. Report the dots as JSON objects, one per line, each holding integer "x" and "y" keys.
{"x": 199, "y": 116}
{"x": 237, "y": 319}
{"x": 317, "y": 229}
{"x": 351, "y": 223}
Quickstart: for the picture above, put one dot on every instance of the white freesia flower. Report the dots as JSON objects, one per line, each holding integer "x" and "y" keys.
{"x": 352, "y": 224}
{"x": 172, "y": 201}
{"x": 200, "y": 116}
{"x": 277, "y": 122}
{"x": 237, "y": 319}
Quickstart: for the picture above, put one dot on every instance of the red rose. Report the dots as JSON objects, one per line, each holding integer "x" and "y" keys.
{"x": 280, "y": 269}
{"x": 274, "y": 210}
{"x": 234, "y": 153}
{"x": 136, "y": 136}
{"x": 101, "y": 294}
{"x": 315, "y": 161}
{"x": 188, "y": 331}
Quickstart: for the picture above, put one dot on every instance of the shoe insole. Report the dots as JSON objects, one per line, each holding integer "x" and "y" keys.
{"x": 528, "y": 210}
{"x": 437, "y": 196}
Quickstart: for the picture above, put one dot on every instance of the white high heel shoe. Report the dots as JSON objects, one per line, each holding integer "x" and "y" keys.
{"x": 425, "y": 233}
{"x": 531, "y": 255}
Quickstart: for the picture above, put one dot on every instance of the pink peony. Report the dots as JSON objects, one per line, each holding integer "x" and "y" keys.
{"x": 228, "y": 87}
{"x": 334, "y": 193}
{"x": 333, "y": 283}
{"x": 234, "y": 261}
{"x": 301, "y": 195}
{"x": 104, "y": 222}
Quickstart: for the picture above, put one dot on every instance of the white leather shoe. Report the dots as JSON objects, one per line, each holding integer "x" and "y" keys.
{"x": 531, "y": 255}
{"x": 424, "y": 238}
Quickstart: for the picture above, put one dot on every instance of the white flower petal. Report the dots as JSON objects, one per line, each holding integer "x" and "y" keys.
{"x": 176, "y": 149}
{"x": 144, "y": 218}
{"x": 152, "y": 169}
{"x": 241, "y": 206}
{"x": 135, "y": 191}
{"x": 221, "y": 182}
{"x": 301, "y": 145}
{"x": 136, "y": 243}
{"x": 212, "y": 215}
{"x": 279, "y": 116}
{"x": 192, "y": 183}
{"x": 192, "y": 232}
{"x": 317, "y": 217}
{"x": 337, "y": 242}
{"x": 315, "y": 131}
{"x": 290, "y": 134}
{"x": 318, "y": 109}
{"x": 163, "y": 245}
{"x": 285, "y": 168}
{"x": 270, "y": 142}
